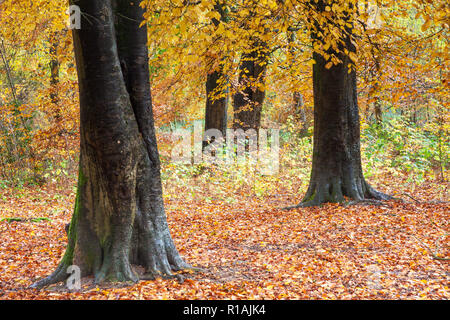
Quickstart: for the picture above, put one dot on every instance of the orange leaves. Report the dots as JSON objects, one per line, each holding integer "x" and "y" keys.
{"x": 249, "y": 249}
{"x": 426, "y": 24}
{"x": 232, "y": 229}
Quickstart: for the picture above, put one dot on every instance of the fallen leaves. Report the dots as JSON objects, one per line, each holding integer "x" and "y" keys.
{"x": 249, "y": 250}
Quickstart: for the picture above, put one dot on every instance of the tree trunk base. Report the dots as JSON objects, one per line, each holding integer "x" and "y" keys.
{"x": 152, "y": 250}
{"x": 116, "y": 268}
{"x": 339, "y": 191}
{"x": 59, "y": 275}
{"x": 117, "y": 271}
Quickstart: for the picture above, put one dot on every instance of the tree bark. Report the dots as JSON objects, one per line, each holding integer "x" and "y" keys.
{"x": 216, "y": 108}
{"x": 300, "y": 113}
{"x": 54, "y": 83}
{"x": 216, "y": 94}
{"x": 119, "y": 217}
{"x": 54, "y": 68}
{"x": 378, "y": 112}
{"x": 297, "y": 97}
{"x": 248, "y": 101}
{"x": 336, "y": 167}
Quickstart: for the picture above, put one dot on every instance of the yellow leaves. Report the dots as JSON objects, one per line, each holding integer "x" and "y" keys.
{"x": 183, "y": 26}
{"x": 353, "y": 56}
{"x": 426, "y": 24}
{"x": 273, "y": 4}
{"x": 213, "y": 15}
{"x": 244, "y": 13}
{"x": 261, "y": 87}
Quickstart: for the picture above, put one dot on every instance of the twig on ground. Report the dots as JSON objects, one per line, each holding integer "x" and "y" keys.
{"x": 433, "y": 254}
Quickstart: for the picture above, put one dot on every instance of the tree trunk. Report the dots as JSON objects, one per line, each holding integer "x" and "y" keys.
{"x": 378, "y": 112}
{"x": 216, "y": 95}
{"x": 249, "y": 99}
{"x": 119, "y": 217}
{"x": 297, "y": 97}
{"x": 54, "y": 83}
{"x": 216, "y": 108}
{"x": 300, "y": 113}
{"x": 336, "y": 167}
{"x": 54, "y": 68}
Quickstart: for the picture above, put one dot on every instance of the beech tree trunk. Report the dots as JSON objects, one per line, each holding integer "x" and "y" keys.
{"x": 119, "y": 217}
{"x": 300, "y": 113}
{"x": 54, "y": 82}
{"x": 336, "y": 167}
{"x": 376, "y": 88}
{"x": 216, "y": 108}
{"x": 216, "y": 97}
{"x": 297, "y": 97}
{"x": 248, "y": 101}
{"x": 54, "y": 67}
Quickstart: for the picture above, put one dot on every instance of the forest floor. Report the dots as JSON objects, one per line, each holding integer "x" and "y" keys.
{"x": 251, "y": 249}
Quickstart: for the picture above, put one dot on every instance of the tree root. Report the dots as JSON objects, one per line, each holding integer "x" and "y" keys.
{"x": 116, "y": 272}
{"x": 305, "y": 204}
{"x": 291, "y": 207}
{"x": 420, "y": 202}
{"x": 333, "y": 192}
{"x": 59, "y": 275}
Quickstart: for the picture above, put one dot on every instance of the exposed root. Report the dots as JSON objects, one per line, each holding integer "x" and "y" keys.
{"x": 116, "y": 269}
{"x": 377, "y": 195}
{"x": 152, "y": 273}
{"x": 290, "y": 207}
{"x": 419, "y": 201}
{"x": 338, "y": 191}
{"x": 59, "y": 275}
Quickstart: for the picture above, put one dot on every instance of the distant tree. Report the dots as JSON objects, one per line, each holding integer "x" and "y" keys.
{"x": 249, "y": 98}
{"x": 216, "y": 88}
{"x": 336, "y": 166}
{"x": 297, "y": 97}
